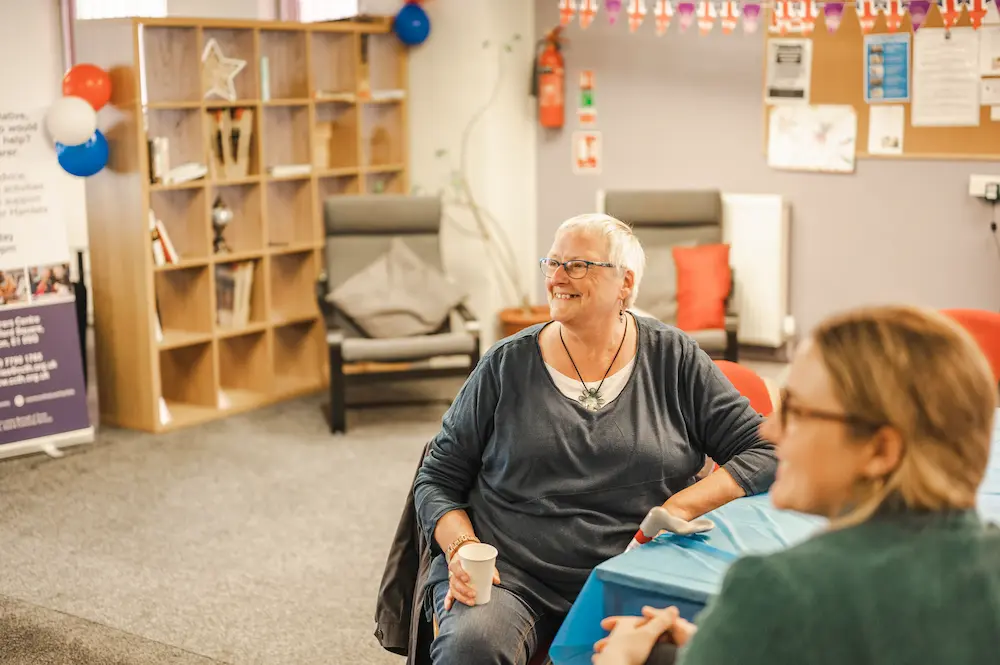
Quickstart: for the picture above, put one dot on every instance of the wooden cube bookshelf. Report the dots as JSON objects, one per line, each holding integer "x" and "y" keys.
{"x": 180, "y": 342}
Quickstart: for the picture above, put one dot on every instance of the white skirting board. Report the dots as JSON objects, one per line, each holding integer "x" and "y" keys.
{"x": 757, "y": 227}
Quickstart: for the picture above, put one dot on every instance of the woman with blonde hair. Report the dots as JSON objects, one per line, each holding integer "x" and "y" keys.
{"x": 884, "y": 428}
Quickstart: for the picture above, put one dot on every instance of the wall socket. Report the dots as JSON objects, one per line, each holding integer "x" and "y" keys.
{"x": 979, "y": 185}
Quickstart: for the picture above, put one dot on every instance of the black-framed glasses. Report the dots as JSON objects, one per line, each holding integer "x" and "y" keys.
{"x": 788, "y": 406}
{"x": 575, "y": 269}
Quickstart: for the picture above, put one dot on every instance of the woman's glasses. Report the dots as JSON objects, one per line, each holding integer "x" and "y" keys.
{"x": 575, "y": 269}
{"x": 788, "y": 407}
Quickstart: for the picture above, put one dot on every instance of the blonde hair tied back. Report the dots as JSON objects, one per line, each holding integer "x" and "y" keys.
{"x": 923, "y": 375}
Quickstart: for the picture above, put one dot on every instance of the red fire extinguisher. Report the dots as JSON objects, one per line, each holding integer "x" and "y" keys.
{"x": 550, "y": 81}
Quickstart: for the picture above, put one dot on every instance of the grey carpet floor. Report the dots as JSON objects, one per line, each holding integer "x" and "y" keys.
{"x": 259, "y": 539}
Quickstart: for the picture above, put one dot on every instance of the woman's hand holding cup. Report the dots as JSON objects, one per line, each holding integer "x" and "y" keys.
{"x": 466, "y": 573}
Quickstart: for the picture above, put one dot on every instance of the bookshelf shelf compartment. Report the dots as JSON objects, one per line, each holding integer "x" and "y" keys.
{"x": 293, "y": 294}
{"x": 285, "y": 51}
{"x": 245, "y": 233}
{"x": 182, "y": 213}
{"x": 239, "y": 296}
{"x": 182, "y": 129}
{"x": 236, "y": 43}
{"x": 244, "y": 373}
{"x": 385, "y": 182}
{"x": 382, "y": 130}
{"x": 183, "y": 301}
{"x": 171, "y": 64}
{"x": 187, "y": 385}
{"x": 298, "y": 357}
{"x": 336, "y": 144}
{"x": 336, "y": 123}
{"x": 286, "y": 129}
{"x": 290, "y": 213}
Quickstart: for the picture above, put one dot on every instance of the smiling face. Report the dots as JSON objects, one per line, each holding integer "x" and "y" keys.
{"x": 821, "y": 464}
{"x": 595, "y": 295}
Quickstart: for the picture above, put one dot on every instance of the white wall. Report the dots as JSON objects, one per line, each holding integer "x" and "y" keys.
{"x": 451, "y": 76}
{"x": 265, "y": 10}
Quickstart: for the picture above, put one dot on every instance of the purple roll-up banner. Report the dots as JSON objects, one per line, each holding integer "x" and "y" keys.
{"x": 613, "y": 7}
{"x": 833, "y": 13}
{"x": 43, "y": 400}
{"x": 918, "y": 12}
{"x": 686, "y": 12}
{"x": 751, "y": 17}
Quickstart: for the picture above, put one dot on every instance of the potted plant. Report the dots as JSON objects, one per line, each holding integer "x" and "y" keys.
{"x": 460, "y": 196}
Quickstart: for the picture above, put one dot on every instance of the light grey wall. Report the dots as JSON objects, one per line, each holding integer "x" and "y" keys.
{"x": 685, "y": 111}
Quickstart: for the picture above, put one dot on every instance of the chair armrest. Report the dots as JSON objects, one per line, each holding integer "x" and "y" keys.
{"x": 322, "y": 291}
{"x": 470, "y": 324}
{"x": 732, "y": 309}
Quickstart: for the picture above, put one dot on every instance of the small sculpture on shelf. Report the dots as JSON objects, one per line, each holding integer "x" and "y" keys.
{"x": 222, "y": 215}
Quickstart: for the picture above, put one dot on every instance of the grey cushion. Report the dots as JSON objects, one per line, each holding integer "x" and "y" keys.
{"x": 397, "y": 295}
{"x": 710, "y": 341}
{"x": 658, "y": 290}
{"x": 356, "y": 349}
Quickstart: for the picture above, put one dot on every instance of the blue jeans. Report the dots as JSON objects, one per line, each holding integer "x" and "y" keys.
{"x": 505, "y": 631}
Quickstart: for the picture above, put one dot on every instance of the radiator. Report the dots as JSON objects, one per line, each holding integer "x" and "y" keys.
{"x": 757, "y": 228}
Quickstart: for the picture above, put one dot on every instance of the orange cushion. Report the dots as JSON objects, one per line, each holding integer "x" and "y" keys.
{"x": 703, "y": 281}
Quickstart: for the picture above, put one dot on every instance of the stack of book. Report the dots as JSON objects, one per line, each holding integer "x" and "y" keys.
{"x": 233, "y": 286}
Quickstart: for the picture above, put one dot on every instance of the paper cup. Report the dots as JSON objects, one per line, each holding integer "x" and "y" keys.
{"x": 479, "y": 560}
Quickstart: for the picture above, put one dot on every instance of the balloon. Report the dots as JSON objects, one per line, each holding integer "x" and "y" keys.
{"x": 88, "y": 82}
{"x": 71, "y": 121}
{"x": 86, "y": 159}
{"x": 412, "y": 24}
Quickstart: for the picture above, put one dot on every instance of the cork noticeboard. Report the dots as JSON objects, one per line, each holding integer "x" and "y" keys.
{"x": 838, "y": 78}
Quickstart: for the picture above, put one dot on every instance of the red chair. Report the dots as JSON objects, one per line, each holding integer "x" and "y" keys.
{"x": 985, "y": 329}
{"x": 750, "y": 385}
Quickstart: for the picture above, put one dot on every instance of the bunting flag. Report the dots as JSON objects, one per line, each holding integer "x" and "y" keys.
{"x": 787, "y": 16}
{"x": 706, "y": 17}
{"x": 918, "y": 10}
{"x": 950, "y": 12}
{"x": 663, "y": 11}
{"x": 894, "y": 14}
{"x": 588, "y": 12}
{"x": 613, "y": 8}
{"x": 729, "y": 12}
{"x": 636, "y": 14}
{"x": 567, "y": 8}
{"x": 751, "y": 17}
{"x": 686, "y": 14}
{"x": 833, "y": 12}
{"x": 867, "y": 15}
{"x": 976, "y": 10}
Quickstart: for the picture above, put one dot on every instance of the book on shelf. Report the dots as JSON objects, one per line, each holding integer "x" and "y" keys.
{"x": 335, "y": 96}
{"x": 289, "y": 170}
{"x": 164, "y": 251}
{"x": 233, "y": 287}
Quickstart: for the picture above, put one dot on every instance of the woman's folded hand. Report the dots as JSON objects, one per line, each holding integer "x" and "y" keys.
{"x": 632, "y": 638}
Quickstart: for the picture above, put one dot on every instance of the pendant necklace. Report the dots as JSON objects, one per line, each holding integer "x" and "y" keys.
{"x": 591, "y": 398}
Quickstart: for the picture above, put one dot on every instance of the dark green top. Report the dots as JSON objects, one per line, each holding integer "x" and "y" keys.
{"x": 899, "y": 590}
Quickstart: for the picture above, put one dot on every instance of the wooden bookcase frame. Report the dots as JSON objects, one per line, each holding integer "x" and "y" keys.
{"x": 163, "y": 362}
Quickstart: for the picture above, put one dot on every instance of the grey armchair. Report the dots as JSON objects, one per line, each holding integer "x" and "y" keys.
{"x": 386, "y": 302}
{"x": 662, "y": 219}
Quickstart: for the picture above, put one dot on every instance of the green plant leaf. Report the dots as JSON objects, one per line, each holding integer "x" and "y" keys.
{"x": 506, "y": 47}
{"x": 441, "y": 152}
{"x": 486, "y": 44}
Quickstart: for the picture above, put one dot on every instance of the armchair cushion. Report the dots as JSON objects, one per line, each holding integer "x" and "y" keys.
{"x": 397, "y": 295}
{"x": 704, "y": 279}
{"x": 658, "y": 292}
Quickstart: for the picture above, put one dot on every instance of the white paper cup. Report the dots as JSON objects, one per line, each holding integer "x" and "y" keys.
{"x": 479, "y": 560}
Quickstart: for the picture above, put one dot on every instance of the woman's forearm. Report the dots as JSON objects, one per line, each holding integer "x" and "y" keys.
{"x": 451, "y": 526}
{"x": 717, "y": 489}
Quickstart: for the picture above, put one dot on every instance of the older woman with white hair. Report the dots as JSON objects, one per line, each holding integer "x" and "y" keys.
{"x": 563, "y": 438}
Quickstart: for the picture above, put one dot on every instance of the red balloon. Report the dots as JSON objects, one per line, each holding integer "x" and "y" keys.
{"x": 89, "y": 82}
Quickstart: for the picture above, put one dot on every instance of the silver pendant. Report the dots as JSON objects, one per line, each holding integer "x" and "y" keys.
{"x": 591, "y": 399}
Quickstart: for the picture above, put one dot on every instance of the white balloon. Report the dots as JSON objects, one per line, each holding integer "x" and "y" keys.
{"x": 71, "y": 120}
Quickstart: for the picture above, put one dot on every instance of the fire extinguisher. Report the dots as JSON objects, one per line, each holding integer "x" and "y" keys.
{"x": 549, "y": 81}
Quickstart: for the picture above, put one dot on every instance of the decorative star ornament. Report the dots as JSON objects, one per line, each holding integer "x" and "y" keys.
{"x": 220, "y": 72}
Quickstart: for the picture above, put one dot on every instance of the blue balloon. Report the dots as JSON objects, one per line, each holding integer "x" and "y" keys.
{"x": 412, "y": 24}
{"x": 86, "y": 159}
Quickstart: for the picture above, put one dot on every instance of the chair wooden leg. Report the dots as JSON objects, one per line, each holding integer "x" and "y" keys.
{"x": 732, "y": 353}
{"x": 338, "y": 386}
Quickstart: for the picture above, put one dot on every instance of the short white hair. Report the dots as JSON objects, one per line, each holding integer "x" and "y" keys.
{"x": 624, "y": 249}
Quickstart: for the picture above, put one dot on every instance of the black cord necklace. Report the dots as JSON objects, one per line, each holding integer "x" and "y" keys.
{"x": 591, "y": 398}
